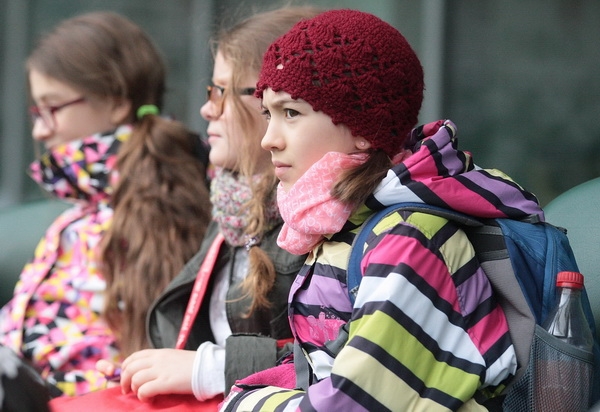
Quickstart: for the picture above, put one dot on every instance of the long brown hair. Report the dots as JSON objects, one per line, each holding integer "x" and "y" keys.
{"x": 354, "y": 185}
{"x": 243, "y": 46}
{"x": 160, "y": 201}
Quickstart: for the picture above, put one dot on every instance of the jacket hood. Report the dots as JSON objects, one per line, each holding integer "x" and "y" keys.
{"x": 439, "y": 174}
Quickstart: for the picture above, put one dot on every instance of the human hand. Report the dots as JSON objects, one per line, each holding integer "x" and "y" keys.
{"x": 152, "y": 372}
{"x": 111, "y": 370}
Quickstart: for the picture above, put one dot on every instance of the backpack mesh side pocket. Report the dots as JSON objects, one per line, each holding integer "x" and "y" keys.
{"x": 558, "y": 377}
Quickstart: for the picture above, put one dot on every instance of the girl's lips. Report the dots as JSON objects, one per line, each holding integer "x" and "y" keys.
{"x": 280, "y": 169}
{"x": 212, "y": 137}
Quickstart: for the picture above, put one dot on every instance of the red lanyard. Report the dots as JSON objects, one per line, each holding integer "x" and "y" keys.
{"x": 198, "y": 291}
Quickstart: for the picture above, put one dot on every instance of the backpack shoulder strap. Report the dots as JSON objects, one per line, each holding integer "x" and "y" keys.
{"x": 353, "y": 273}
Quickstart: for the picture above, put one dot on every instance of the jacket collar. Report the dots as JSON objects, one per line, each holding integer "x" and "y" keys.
{"x": 82, "y": 169}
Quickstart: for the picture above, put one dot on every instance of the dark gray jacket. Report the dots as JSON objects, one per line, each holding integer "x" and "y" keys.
{"x": 252, "y": 345}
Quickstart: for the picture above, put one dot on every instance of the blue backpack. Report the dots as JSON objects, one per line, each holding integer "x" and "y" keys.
{"x": 521, "y": 260}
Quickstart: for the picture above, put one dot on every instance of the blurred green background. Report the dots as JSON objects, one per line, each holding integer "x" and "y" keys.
{"x": 519, "y": 78}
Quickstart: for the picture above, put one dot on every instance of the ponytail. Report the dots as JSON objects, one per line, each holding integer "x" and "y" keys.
{"x": 161, "y": 211}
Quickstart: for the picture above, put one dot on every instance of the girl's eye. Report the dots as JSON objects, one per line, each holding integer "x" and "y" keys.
{"x": 290, "y": 113}
{"x": 266, "y": 114}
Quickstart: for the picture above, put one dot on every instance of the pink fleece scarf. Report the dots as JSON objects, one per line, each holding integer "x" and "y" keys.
{"x": 308, "y": 210}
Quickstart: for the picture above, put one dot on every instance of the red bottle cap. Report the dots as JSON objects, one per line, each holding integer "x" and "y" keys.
{"x": 569, "y": 280}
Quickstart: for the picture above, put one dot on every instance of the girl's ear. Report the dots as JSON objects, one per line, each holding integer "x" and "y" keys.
{"x": 361, "y": 143}
{"x": 121, "y": 111}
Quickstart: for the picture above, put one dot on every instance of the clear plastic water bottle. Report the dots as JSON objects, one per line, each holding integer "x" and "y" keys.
{"x": 564, "y": 367}
{"x": 567, "y": 320}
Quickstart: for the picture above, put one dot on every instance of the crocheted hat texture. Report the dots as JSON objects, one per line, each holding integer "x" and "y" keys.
{"x": 354, "y": 67}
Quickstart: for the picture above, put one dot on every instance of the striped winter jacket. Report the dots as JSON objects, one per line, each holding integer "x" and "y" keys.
{"x": 425, "y": 332}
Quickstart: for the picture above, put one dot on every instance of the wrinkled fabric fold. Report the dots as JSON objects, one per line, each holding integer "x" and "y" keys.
{"x": 308, "y": 210}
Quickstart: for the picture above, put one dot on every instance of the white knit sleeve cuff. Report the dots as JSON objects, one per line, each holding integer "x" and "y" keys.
{"x": 208, "y": 374}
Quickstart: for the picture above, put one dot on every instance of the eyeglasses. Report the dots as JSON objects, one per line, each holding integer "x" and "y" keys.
{"x": 46, "y": 113}
{"x": 216, "y": 95}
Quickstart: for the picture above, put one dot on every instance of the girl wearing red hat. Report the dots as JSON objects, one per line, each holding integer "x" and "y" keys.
{"x": 342, "y": 92}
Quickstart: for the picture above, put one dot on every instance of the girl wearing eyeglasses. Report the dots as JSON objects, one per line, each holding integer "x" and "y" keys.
{"x": 241, "y": 325}
{"x": 140, "y": 201}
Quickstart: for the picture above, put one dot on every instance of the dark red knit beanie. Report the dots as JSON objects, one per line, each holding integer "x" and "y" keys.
{"x": 354, "y": 67}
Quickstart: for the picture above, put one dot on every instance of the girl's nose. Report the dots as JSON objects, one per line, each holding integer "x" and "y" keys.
{"x": 210, "y": 111}
{"x": 270, "y": 141}
{"x": 40, "y": 131}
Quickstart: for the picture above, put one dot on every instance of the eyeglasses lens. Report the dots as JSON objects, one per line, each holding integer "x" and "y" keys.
{"x": 215, "y": 94}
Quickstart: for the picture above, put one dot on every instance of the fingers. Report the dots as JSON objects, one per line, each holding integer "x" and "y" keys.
{"x": 108, "y": 368}
{"x": 126, "y": 375}
{"x": 149, "y": 389}
{"x": 132, "y": 367}
{"x": 111, "y": 372}
{"x": 144, "y": 380}
{"x": 153, "y": 372}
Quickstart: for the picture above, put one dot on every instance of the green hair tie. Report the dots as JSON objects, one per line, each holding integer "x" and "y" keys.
{"x": 147, "y": 109}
